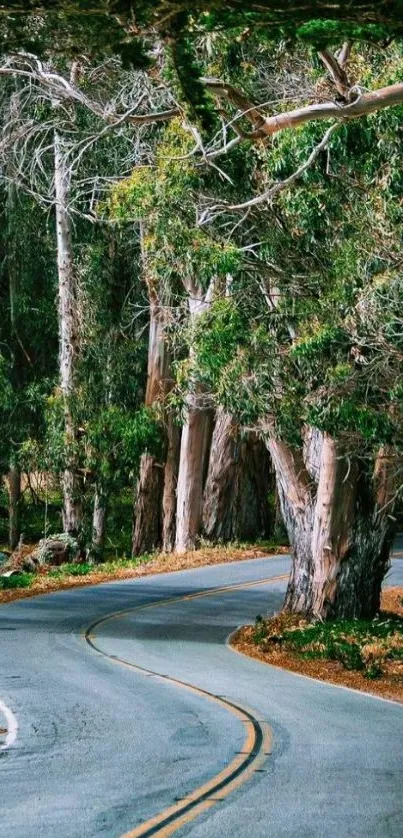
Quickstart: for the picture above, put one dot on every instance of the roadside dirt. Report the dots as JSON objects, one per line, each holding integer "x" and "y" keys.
{"x": 162, "y": 563}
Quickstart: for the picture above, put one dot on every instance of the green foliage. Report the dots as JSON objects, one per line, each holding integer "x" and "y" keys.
{"x": 328, "y": 352}
{"x": 305, "y": 321}
{"x": 28, "y": 328}
{"x": 323, "y": 33}
{"x": 16, "y": 580}
{"x": 321, "y": 342}
{"x": 70, "y": 569}
{"x": 259, "y": 630}
{"x": 115, "y": 440}
{"x": 108, "y": 27}
{"x": 215, "y": 337}
{"x": 176, "y": 249}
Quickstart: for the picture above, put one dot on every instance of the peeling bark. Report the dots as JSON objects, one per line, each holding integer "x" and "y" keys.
{"x": 195, "y": 446}
{"x": 333, "y": 524}
{"x": 170, "y": 485}
{"x": 239, "y": 479}
{"x": 68, "y": 339}
{"x": 339, "y": 525}
{"x": 148, "y": 524}
{"x": 154, "y": 521}
{"x": 158, "y": 357}
{"x": 99, "y": 515}
{"x": 293, "y": 484}
{"x": 147, "y": 534}
{"x": 14, "y": 489}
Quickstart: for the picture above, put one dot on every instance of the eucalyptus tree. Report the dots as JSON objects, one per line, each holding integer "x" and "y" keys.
{"x": 130, "y": 27}
{"x": 248, "y": 189}
{"x": 155, "y": 499}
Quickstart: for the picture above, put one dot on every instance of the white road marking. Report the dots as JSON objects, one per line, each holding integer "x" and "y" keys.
{"x": 12, "y": 726}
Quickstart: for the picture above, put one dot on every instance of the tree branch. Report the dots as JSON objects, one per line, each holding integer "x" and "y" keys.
{"x": 60, "y": 88}
{"x": 337, "y": 72}
{"x": 276, "y": 188}
{"x": 232, "y": 94}
{"x": 344, "y": 53}
{"x": 291, "y": 473}
{"x": 365, "y": 104}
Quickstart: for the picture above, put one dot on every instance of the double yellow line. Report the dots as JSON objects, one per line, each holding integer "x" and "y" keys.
{"x": 256, "y": 746}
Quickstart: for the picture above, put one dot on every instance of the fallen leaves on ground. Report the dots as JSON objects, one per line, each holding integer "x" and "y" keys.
{"x": 269, "y": 650}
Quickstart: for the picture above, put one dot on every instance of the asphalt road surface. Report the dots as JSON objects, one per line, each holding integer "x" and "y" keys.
{"x": 104, "y": 744}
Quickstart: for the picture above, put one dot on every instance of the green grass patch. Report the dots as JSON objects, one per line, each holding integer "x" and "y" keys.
{"x": 71, "y": 569}
{"x": 84, "y": 568}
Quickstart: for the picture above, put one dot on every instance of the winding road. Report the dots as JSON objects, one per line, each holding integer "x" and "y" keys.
{"x": 124, "y": 713}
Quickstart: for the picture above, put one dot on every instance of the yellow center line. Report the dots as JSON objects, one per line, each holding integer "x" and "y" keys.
{"x": 257, "y": 744}
{"x": 116, "y": 615}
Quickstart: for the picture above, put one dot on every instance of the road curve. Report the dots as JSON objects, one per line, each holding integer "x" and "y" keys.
{"x": 102, "y": 748}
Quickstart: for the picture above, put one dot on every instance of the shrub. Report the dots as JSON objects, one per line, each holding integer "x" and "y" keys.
{"x": 359, "y": 645}
{"x": 79, "y": 569}
{"x": 16, "y": 580}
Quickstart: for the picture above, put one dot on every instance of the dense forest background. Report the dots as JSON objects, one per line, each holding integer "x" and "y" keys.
{"x": 201, "y": 285}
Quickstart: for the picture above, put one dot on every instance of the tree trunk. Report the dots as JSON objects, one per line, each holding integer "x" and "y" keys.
{"x": 170, "y": 485}
{"x": 19, "y": 356}
{"x": 99, "y": 516}
{"x": 239, "y": 479}
{"x": 339, "y": 524}
{"x": 195, "y": 445}
{"x": 14, "y": 488}
{"x": 68, "y": 339}
{"x": 147, "y": 529}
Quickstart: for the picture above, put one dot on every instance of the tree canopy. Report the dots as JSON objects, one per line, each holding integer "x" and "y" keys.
{"x": 123, "y": 27}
